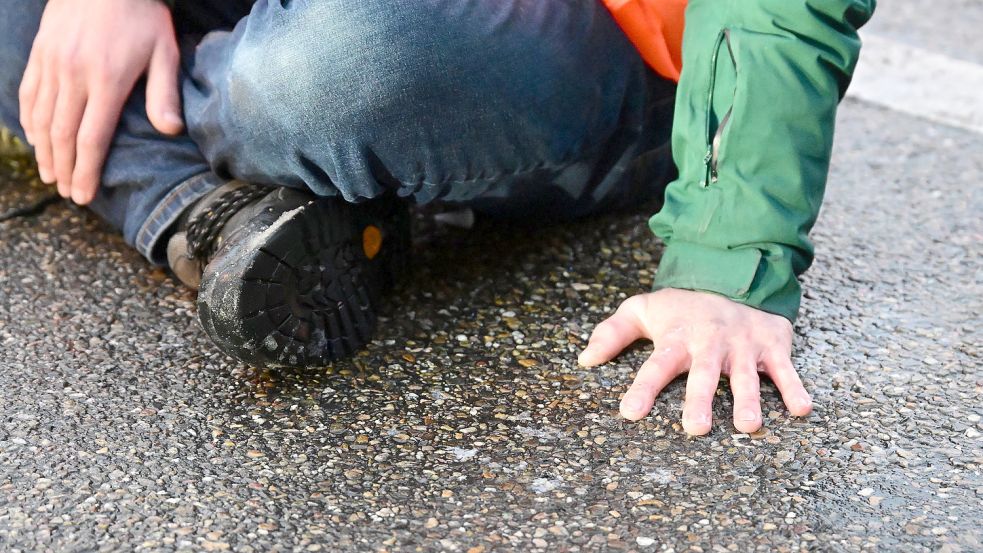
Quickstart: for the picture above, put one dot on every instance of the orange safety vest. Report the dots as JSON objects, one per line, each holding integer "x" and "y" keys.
{"x": 655, "y": 27}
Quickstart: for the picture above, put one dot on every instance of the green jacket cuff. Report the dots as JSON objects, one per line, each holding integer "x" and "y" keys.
{"x": 752, "y": 138}
{"x": 759, "y": 278}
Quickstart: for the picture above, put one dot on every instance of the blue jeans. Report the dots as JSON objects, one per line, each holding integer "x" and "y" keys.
{"x": 525, "y": 108}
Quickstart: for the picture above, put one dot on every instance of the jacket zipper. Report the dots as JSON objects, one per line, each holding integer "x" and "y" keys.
{"x": 715, "y": 145}
{"x": 712, "y": 156}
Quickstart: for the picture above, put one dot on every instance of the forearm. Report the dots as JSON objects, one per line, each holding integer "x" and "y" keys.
{"x": 752, "y": 139}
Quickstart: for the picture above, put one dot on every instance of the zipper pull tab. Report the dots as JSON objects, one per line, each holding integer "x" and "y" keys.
{"x": 706, "y": 161}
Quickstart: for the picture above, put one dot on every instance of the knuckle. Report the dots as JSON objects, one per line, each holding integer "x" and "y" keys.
{"x": 777, "y": 335}
{"x": 780, "y": 332}
{"x": 46, "y": 46}
{"x": 743, "y": 369}
{"x": 105, "y": 71}
{"x": 41, "y": 120}
{"x": 768, "y": 342}
{"x": 631, "y": 304}
{"x": 67, "y": 58}
{"x": 783, "y": 372}
{"x": 747, "y": 392}
{"x": 61, "y": 134}
{"x": 41, "y": 127}
{"x": 705, "y": 359}
{"x": 599, "y": 327}
{"x": 667, "y": 350}
{"x": 605, "y": 324}
{"x": 777, "y": 356}
{"x": 69, "y": 76}
{"x": 652, "y": 366}
{"x": 770, "y": 345}
{"x": 699, "y": 397}
{"x": 88, "y": 142}
{"x": 738, "y": 344}
{"x": 715, "y": 326}
{"x": 704, "y": 367}
{"x": 43, "y": 52}
{"x": 103, "y": 74}
{"x": 603, "y": 328}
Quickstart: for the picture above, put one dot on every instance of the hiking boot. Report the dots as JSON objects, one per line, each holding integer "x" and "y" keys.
{"x": 285, "y": 278}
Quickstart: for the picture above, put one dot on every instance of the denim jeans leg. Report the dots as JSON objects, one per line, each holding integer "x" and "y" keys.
{"x": 515, "y": 106}
{"x": 19, "y": 21}
{"x": 148, "y": 178}
{"x": 509, "y": 105}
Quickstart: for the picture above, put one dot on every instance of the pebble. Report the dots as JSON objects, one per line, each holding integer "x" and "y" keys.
{"x": 122, "y": 425}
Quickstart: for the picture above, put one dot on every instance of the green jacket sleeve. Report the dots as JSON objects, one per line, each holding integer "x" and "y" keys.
{"x": 752, "y": 136}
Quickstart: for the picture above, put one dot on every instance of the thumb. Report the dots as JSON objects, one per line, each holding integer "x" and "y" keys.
{"x": 163, "y": 94}
{"x": 610, "y": 337}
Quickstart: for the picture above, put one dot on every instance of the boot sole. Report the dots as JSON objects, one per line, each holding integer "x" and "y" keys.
{"x": 304, "y": 292}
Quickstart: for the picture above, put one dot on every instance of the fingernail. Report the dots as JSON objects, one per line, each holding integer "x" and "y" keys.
{"x": 81, "y": 199}
{"x": 805, "y": 401}
{"x": 632, "y": 406}
{"x": 45, "y": 175}
{"x": 702, "y": 418}
{"x": 584, "y": 358}
{"x": 749, "y": 415}
{"x": 174, "y": 119}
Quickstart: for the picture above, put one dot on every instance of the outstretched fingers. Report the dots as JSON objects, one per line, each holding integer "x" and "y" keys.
{"x": 779, "y": 368}
{"x": 746, "y": 387}
{"x": 662, "y": 367}
{"x": 704, "y": 375}
{"x": 612, "y": 336}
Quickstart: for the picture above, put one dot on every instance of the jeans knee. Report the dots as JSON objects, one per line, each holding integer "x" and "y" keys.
{"x": 338, "y": 84}
{"x": 349, "y": 61}
{"x": 339, "y": 64}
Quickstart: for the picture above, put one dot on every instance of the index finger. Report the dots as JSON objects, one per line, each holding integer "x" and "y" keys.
{"x": 665, "y": 363}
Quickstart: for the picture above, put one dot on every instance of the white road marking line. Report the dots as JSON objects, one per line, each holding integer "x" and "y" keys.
{"x": 919, "y": 82}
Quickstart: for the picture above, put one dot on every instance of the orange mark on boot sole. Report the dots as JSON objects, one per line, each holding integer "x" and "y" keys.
{"x": 371, "y": 241}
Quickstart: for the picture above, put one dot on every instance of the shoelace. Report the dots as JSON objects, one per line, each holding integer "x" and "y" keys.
{"x": 203, "y": 230}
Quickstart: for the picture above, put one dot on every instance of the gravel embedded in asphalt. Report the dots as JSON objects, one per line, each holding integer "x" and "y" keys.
{"x": 468, "y": 426}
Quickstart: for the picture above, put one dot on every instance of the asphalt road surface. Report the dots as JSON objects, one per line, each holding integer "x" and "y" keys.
{"x": 468, "y": 426}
